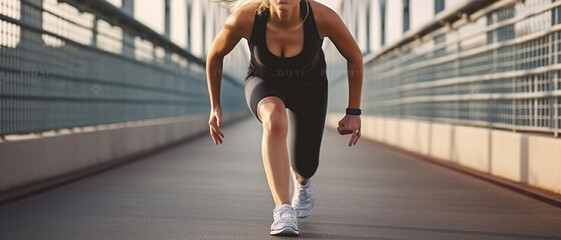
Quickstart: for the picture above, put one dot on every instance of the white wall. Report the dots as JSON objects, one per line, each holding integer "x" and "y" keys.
{"x": 375, "y": 26}
{"x": 394, "y": 21}
{"x": 361, "y": 37}
{"x": 422, "y": 12}
{"x": 450, "y": 4}
{"x": 519, "y": 157}
{"x": 28, "y": 161}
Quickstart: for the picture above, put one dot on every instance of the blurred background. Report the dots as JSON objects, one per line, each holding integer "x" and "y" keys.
{"x": 86, "y": 82}
{"x": 89, "y": 85}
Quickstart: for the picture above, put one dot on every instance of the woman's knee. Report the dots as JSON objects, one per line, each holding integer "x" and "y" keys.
{"x": 272, "y": 114}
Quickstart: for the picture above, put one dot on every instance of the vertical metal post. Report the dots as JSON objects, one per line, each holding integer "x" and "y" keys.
{"x": 356, "y": 21}
{"x": 555, "y": 74}
{"x": 514, "y": 105}
{"x": 203, "y": 31}
{"x": 189, "y": 20}
{"x": 167, "y": 29}
{"x": 128, "y": 38}
{"x": 167, "y": 20}
{"x": 128, "y": 7}
{"x": 551, "y": 82}
{"x": 457, "y": 75}
{"x": 535, "y": 102}
{"x": 368, "y": 27}
{"x": 31, "y": 14}
{"x": 94, "y": 32}
{"x": 209, "y": 26}
{"x": 515, "y": 102}
{"x": 554, "y": 102}
{"x": 382, "y": 5}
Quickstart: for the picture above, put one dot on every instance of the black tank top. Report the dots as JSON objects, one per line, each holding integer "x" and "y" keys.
{"x": 309, "y": 63}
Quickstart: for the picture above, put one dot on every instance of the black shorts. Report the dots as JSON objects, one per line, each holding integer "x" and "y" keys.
{"x": 307, "y": 102}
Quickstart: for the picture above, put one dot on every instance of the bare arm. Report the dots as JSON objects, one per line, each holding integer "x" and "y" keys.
{"x": 333, "y": 27}
{"x": 224, "y": 42}
{"x": 345, "y": 43}
{"x": 234, "y": 29}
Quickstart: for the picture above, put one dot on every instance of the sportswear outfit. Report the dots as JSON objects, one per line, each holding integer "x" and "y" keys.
{"x": 301, "y": 83}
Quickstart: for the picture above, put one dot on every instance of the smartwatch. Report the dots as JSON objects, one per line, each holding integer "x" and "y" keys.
{"x": 353, "y": 111}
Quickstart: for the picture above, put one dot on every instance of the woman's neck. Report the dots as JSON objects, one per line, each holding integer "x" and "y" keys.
{"x": 285, "y": 18}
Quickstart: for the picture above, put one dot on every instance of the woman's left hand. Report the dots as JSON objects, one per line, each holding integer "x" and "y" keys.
{"x": 350, "y": 124}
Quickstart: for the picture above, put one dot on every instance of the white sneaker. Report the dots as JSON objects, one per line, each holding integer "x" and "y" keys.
{"x": 285, "y": 223}
{"x": 303, "y": 199}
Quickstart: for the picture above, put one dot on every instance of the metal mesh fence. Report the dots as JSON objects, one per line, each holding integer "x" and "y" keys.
{"x": 499, "y": 67}
{"x": 64, "y": 65}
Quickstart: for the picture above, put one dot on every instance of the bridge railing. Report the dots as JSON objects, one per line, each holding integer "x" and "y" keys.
{"x": 490, "y": 65}
{"x": 75, "y": 63}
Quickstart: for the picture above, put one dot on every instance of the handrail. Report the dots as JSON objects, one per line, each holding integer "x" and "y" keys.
{"x": 462, "y": 80}
{"x": 448, "y": 16}
{"x": 479, "y": 50}
{"x": 113, "y": 15}
{"x": 81, "y": 83}
{"x": 502, "y": 73}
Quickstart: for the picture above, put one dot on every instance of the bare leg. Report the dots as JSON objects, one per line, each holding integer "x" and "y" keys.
{"x": 301, "y": 180}
{"x": 272, "y": 113}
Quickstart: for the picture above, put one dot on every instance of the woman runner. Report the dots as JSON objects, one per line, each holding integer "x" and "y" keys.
{"x": 287, "y": 71}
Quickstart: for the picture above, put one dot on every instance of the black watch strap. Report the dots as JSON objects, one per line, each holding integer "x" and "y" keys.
{"x": 353, "y": 111}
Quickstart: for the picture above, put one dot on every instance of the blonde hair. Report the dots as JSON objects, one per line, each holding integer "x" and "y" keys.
{"x": 235, "y": 4}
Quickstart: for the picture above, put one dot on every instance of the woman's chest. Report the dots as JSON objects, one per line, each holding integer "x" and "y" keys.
{"x": 285, "y": 43}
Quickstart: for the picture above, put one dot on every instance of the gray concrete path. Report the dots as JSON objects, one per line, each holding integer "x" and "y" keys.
{"x": 200, "y": 191}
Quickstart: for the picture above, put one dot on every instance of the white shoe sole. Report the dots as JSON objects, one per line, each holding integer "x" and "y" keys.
{"x": 286, "y": 231}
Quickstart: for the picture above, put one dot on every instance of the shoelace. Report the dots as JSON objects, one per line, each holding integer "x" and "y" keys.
{"x": 282, "y": 211}
{"x": 290, "y": 221}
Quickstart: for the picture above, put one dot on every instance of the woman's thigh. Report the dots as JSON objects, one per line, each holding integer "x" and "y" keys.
{"x": 257, "y": 89}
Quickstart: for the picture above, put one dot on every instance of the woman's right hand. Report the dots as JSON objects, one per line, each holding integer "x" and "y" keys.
{"x": 215, "y": 123}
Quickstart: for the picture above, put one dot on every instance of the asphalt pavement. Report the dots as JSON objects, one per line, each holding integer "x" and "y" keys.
{"x": 197, "y": 190}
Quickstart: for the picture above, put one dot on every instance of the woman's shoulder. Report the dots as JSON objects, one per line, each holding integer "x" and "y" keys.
{"x": 323, "y": 16}
{"x": 322, "y": 12}
{"x": 245, "y": 14}
{"x": 242, "y": 19}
